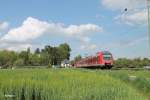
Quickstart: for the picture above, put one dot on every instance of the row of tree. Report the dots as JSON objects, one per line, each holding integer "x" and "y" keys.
{"x": 40, "y": 57}
{"x": 131, "y": 63}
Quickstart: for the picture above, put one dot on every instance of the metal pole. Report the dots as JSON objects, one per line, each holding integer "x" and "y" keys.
{"x": 148, "y": 6}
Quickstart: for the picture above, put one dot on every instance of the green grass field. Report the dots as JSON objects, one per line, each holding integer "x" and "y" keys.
{"x": 74, "y": 84}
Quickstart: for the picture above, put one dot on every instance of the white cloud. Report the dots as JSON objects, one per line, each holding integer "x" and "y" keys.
{"x": 15, "y": 46}
{"x": 33, "y": 28}
{"x": 127, "y": 43}
{"x": 88, "y": 47}
{"x": 30, "y": 29}
{"x": 82, "y": 29}
{"x": 134, "y": 48}
{"x": 135, "y": 42}
{"x": 3, "y": 25}
{"x": 21, "y": 38}
{"x": 134, "y": 18}
{"x": 18, "y": 47}
{"x": 136, "y": 13}
{"x": 122, "y": 4}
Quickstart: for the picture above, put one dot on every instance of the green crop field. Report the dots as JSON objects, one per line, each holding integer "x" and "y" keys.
{"x": 74, "y": 84}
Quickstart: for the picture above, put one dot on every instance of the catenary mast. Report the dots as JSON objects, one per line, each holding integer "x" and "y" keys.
{"x": 148, "y": 6}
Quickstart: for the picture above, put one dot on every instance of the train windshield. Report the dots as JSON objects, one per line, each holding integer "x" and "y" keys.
{"x": 107, "y": 56}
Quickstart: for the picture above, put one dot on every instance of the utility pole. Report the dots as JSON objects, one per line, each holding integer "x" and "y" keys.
{"x": 148, "y": 6}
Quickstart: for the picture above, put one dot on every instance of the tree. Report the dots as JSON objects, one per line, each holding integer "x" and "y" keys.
{"x": 19, "y": 62}
{"x": 7, "y": 58}
{"x": 132, "y": 63}
{"x": 64, "y": 50}
{"x": 77, "y": 58}
{"x": 34, "y": 59}
{"x": 145, "y": 62}
{"x": 47, "y": 56}
{"x": 54, "y": 55}
{"x": 44, "y": 58}
{"x": 123, "y": 63}
{"x": 57, "y": 54}
{"x": 37, "y": 51}
{"x": 25, "y": 56}
{"x": 49, "y": 51}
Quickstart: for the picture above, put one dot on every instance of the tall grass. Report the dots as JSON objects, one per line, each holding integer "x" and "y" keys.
{"x": 63, "y": 84}
{"x": 141, "y": 82}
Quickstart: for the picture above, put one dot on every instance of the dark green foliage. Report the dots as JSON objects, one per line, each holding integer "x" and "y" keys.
{"x": 25, "y": 56}
{"x": 37, "y": 51}
{"x": 34, "y": 59}
{"x": 65, "y": 50}
{"x": 47, "y": 56}
{"x": 57, "y": 54}
{"x": 49, "y": 66}
{"x": 7, "y": 58}
{"x": 19, "y": 62}
{"x": 77, "y": 58}
{"x": 131, "y": 63}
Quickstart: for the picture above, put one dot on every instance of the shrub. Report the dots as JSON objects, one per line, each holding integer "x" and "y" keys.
{"x": 19, "y": 62}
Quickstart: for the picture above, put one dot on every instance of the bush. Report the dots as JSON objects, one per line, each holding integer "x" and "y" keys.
{"x": 49, "y": 66}
{"x": 19, "y": 62}
{"x": 131, "y": 63}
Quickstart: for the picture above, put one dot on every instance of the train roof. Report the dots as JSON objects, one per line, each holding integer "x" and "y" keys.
{"x": 106, "y": 52}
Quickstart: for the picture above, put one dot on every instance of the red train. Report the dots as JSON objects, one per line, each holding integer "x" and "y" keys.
{"x": 103, "y": 59}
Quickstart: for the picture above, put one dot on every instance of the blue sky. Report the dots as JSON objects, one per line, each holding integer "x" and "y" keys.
{"x": 87, "y": 25}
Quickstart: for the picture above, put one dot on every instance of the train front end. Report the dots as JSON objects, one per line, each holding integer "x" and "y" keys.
{"x": 107, "y": 59}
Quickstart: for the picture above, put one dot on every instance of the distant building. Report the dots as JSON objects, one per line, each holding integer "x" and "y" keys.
{"x": 65, "y": 63}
